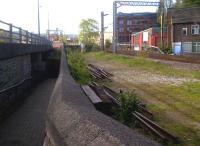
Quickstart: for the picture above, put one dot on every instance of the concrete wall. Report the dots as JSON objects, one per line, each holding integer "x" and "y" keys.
{"x": 15, "y": 75}
{"x": 14, "y": 70}
{"x": 72, "y": 119}
{"x": 13, "y": 50}
{"x": 21, "y": 67}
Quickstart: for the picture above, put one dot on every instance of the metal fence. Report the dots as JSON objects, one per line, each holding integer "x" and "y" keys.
{"x": 12, "y": 34}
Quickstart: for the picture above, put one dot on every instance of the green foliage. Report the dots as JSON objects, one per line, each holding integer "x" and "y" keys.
{"x": 162, "y": 12}
{"x": 108, "y": 43}
{"x": 166, "y": 49}
{"x": 91, "y": 47}
{"x": 77, "y": 66}
{"x": 89, "y": 31}
{"x": 63, "y": 40}
{"x": 129, "y": 104}
{"x": 187, "y": 3}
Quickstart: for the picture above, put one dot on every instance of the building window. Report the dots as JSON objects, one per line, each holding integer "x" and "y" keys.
{"x": 121, "y": 29}
{"x": 121, "y": 22}
{"x": 129, "y": 22}
{"x": 184, "y": 30}
{"x": 195, "y": 29}
{"x": 196, "y": 47}
{"x": 129, "y": 30}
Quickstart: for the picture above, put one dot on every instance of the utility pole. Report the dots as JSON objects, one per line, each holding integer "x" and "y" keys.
{"x": 115, "y": 27}
{"x": 39, "y": 17}
{"x": 48, "y": 35}
{"x": 102, "y": 31}
{"x": 162, "y": 5}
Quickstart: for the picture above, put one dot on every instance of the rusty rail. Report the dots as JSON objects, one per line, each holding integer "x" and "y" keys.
{"x": 155, "y": 128}
{"x": 98, "y": 73}
{"x": 105, "y": 94}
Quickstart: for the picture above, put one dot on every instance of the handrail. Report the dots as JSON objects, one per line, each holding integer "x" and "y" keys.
{"x": 20, "y": 36}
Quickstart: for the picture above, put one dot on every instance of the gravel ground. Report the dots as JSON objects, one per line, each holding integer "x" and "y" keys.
{"x": 144, "y": 77}
{"x": 136, "y": 76}
{"x": 178, "y": 65}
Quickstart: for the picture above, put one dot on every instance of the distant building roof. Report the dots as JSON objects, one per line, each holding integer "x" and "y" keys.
{"x": 152, "y": 29}
{"x": 184, "y": 15}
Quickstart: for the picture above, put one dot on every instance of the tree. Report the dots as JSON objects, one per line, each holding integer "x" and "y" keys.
{"x": 162, "y": 11}
{"x": 108, "y": 43}
{"x": 89, "y": 32}
{"x": 187, "y": 3}
{"x": 63, "y": 39}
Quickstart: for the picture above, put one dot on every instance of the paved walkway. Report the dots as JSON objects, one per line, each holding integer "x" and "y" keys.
{"x": 26, "y": 126}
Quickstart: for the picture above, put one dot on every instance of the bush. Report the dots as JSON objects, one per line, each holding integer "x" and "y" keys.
{"x": 129, "y": 104}
{"x": 91, "y": 47}
{"x": 108, "y": 43}
{"x": 166, "y": 49}
{"x": 77, "y": 66}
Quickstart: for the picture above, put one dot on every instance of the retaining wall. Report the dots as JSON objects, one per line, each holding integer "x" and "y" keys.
{"x": 72, "y": 120}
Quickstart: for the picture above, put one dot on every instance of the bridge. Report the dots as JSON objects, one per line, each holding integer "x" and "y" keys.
{"x": 40, "y": 103}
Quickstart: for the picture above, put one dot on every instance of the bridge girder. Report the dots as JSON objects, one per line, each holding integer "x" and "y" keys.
{"x": 137, "y": 3}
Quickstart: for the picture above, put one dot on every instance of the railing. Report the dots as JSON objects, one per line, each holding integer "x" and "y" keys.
{"x": 12, "y": 34}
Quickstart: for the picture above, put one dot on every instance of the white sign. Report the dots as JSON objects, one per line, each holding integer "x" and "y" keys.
{"x": 145, "y": 36}
{"x": 136, "y": 48}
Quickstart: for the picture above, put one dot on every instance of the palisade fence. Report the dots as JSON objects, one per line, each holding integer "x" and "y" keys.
{"x": 12, "y": 34}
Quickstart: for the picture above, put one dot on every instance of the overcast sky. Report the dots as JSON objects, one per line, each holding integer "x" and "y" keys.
{"x": 63, "y": 14}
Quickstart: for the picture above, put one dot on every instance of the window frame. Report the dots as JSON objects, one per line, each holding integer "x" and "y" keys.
{"x": 121, "y": 29}
{"x": 129, "y": 22}
{"x": 121, "y": 22}
{"x": 195, "y": 28}
{"x": 195, "y": 47}
{"x": 186, "y": 30}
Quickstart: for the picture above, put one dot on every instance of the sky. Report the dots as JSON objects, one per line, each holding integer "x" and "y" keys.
{"x": 63, "y": 14}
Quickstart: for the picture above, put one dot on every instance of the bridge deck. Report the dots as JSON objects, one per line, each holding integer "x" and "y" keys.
{"x": 26, "y": 126}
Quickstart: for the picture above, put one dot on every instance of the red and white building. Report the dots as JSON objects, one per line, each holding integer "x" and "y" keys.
{"x": 148, "y": 38}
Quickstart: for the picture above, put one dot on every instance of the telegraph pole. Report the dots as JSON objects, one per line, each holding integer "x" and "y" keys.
{"x": 102, "y": 31}
{"x": 39, "y": 17}
{"x": 48, "y": 27}
{"x": 114, "y": 27}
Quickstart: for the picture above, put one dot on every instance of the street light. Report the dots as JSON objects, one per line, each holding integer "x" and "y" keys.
{"x": 39, "y": 17}
{"x": 102, "y": 29}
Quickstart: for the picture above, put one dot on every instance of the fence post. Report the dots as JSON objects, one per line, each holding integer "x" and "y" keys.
{"x": 20, "y": 35}
{"x": 27, "y": 37}
{"x": 10, "y": 33}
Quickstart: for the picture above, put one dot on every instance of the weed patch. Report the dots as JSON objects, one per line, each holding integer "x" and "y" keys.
{"x": 77, "y": 66}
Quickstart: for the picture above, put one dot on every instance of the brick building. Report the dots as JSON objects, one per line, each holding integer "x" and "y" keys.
{"x": 184, "y": 30}
{"x": 147, "y": 38}
{"x": 133, "y": 23}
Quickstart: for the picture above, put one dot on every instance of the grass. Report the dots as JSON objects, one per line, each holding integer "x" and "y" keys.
{"x": 176, "y": 107}
{"x": 129, "y": 104}
{"x": 143, "y": 64}
{"x": 77, "y": 67}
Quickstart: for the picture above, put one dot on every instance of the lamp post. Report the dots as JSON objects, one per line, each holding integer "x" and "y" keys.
{"x": 39, "y": 17}
{"x": 102, "y": 30}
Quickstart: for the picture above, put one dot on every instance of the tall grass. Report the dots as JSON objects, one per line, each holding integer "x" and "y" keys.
{"x": 77, "y": 66}
{"x": 128, "y": 104}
